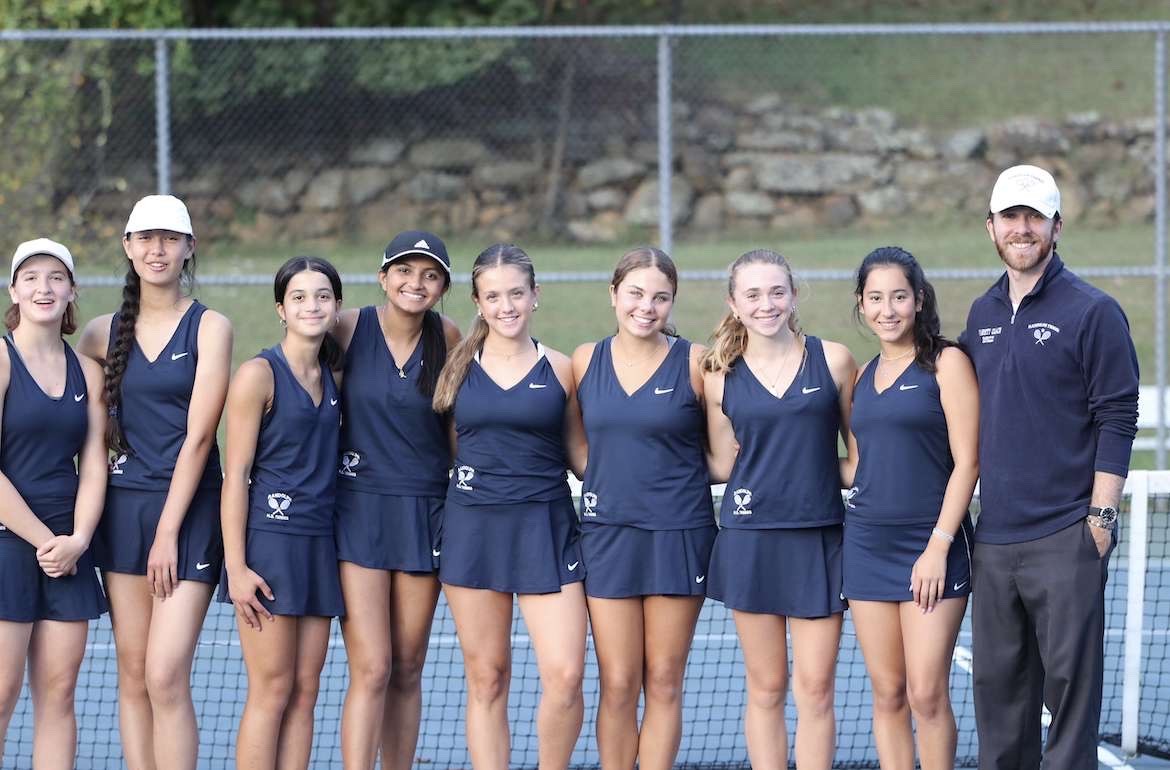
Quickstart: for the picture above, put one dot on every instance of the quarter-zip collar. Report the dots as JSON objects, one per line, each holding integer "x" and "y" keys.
{"x": 1000, "y": 288}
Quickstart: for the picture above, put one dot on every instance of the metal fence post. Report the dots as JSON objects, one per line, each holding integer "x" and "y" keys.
{"x": 162, "y": 114}
{"x": 1160, "y": 243}
{"x": 665, "y": 145}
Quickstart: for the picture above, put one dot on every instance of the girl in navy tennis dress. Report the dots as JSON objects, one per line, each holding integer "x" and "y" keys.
{"x": 647, "y": 520}
{"x": 912, "y": 468}
{"x": 778, "y": 400}
{"x": 280, "y": 554}
{"x": 509, "y": 526}
{"x": 167, "y": 359}
{"x": 391, "y": 483}
{"x": 51, "y": 414}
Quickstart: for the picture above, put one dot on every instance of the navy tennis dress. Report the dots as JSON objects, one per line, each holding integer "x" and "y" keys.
{"x": 156, "y": 397}
{"x": 904, "y": 465}
{"x": 289, "y": 538}
{"x": 779, "y": 544}
{"x": 509, "y": 523}
{"x": 41, "y": 437}
{"x": 395, "y": 455}
{"x": 647, "y": 522}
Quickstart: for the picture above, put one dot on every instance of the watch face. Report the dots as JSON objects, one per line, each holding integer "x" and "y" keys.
{"x": 1108, "y": 515}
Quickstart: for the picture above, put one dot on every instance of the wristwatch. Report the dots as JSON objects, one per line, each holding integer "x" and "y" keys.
{"x": 1104, "y": 518}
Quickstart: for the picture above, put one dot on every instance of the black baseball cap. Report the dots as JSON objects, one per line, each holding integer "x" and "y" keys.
{"x": 420, "y": 242}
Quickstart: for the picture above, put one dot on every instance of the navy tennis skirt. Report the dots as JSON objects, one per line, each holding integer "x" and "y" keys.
{"x": 27, "y": 594}
{"x": 790, "y": 572}
{"x": 126, "y": 532}
{"x": 389, "y": 532}
{"x": 626, "y": 561}
{"x": 880, "y": 557}
{"x": 301, "y": 570}
{"x": 521, "y": 548}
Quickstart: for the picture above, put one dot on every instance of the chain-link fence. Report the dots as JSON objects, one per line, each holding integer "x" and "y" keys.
{"x": 698, "y": 138}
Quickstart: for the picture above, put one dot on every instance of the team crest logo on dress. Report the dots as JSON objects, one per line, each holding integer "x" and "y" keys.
{"x": 349, "y": 461}
{"x": 279, "y": 503}
{"x": 116, "y": 465}
{"x": 464, "y": 474}
{"x": 742, "y": 498}
{"x": 590, "y": 500}
{"x": 849, "y": 495}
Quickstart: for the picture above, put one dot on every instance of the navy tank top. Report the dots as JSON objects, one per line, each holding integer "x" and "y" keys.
{"x": 41, "y": 437}
{"x": 787, "y": 473}
{"x": 904, "y": 454}
{"x": 392, "y": 441}
{"x": 510, "y": 443}
{"x": 155, "y": 398}
{"x": 293, "y": 473}
{"x": 647, "y": 464}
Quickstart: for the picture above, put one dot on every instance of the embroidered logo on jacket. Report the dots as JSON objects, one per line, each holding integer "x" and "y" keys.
{"x": 1042, "y": 332}
{"x": 279, "y": 502}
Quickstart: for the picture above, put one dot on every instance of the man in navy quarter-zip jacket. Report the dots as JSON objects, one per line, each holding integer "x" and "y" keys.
{"x": 1058, "y": 388}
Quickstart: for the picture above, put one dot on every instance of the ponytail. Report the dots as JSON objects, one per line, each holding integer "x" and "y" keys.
{"x": 117, "y": 358}
{"x": 728, "y": 342}
{"x": 434, "y": 353}
{"x": 455, "y": 370}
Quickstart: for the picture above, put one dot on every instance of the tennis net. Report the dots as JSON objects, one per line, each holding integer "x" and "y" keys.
{"x": 713, "y": 692}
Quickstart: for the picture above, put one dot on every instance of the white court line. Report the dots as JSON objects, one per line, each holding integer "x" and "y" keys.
{"x": 962, "y": 658}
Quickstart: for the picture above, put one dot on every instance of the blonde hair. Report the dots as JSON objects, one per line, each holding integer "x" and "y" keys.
{"x": 459, "y": 360}
{"x": 729, "y": 340}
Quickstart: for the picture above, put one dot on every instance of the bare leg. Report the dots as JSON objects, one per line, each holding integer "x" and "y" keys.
{"x": 170, "y": 650}
{"x": 130, "y": 608}
{"x": 14, "y": 643}
{"x": 483, "y": 621}
{"x": 765, "y": 659}
{"x": 269, "y": 655}
{"x": 55, "y": 653}
{"x": 879, "y": 632}
{"x": 929, "y": 641}
{"x": 366, "y": 629}
{"x": 814, "y": 668}
{"x": 618, "y": 641}
{"x": 412, "y": 608}
{"x": 669, "y": 629}
{"x": 296, "y": 729}
{"x": 556, "y": 624}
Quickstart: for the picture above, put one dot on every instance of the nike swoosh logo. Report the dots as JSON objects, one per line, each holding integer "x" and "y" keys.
{"x": 907, "y": 387}
{"x": 959, "y": 586}
{"x": 806, "y": 391}
{"x": 202, "y": 565}
{"x": 663, "y": 391}
{"x": 572, "y": 566}
{"x": 333, "y": 402}
{"x": 78, "y": 397}
{"x": 700, "y": 578}
{"x": 434, "y": 552}
{"x": 177, "y": 356}
{"x": 536, "y": 386}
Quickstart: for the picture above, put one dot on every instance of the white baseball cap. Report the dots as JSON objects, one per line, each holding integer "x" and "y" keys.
{"x": 36, "y": 248}
{"x": 159, "y": 212}
{"x": 1026, "y": 186}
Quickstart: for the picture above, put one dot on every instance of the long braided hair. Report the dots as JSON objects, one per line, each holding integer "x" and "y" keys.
{"x": 121, "y": 341}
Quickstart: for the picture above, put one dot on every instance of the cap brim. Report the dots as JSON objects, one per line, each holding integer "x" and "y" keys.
{"x": 416, "y": 252}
